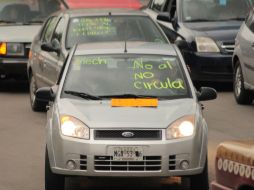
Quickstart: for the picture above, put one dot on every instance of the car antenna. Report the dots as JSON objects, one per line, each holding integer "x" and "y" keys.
{"x": 125, "y": 38}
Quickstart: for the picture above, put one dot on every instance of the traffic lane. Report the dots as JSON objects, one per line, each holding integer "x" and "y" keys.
{"x": 21, "y": 140}
{"x": 226, "y": 121}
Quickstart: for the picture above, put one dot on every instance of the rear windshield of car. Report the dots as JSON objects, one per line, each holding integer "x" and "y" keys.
{"x": 27, "y": 11}
{"x": 141, "y": 75}
{"x": 219, "y": 10}
{"x": 112, "y": 28}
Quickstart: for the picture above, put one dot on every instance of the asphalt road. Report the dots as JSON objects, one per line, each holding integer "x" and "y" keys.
{"x": 22, "y": 141}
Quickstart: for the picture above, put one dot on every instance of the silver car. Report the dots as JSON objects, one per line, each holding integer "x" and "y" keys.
{"x": 243, "y": 62}
{"x": 125, "y": 110}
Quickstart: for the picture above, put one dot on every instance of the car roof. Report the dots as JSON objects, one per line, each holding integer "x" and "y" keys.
{"x": 134, "y": 4}
{"x": 104, "y": 12}
{"x": 104, "y": 48}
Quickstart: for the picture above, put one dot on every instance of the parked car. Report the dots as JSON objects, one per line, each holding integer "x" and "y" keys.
{"x": 20, "y": 21}
{"x": 234, "y": 166}
{"x": 131, "y": 4}
{"x": 125, "y": 110}
{"x": 205, "y": 32}
{"x": 243, "y": 62}
{"x": 64, "y": 29}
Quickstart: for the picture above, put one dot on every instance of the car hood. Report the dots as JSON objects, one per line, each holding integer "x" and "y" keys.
{"x": 100, "y": 114}
{"x": 219, "y": 31}
{"x": 18, "y": 33}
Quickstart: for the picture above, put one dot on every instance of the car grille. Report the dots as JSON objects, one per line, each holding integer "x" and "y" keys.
{"x": 118, "y": 135}
{"x": 106, "y": 163}
{"x": 172, "y": 162}
{"x": 83, "y": 162}
{"x": 228, "y": 47}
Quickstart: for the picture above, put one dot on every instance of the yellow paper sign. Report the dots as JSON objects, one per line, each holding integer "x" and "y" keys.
{"x": 136, "y": 102}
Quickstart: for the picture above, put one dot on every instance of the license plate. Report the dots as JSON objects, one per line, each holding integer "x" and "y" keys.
{"x": 129, "y": 153}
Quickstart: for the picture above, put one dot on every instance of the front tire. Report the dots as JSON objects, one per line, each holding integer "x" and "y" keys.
{"x": 35, "y": 104}
{"x": 242, "y": 96}
{"x": 52, "y": 181}
{"x": 198, "y": 181}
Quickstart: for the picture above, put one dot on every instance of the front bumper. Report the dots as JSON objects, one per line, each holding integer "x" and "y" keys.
{"x": 163, "y": 156}
{"x": 214, "y": 67}
{"x": 13, "y": 67}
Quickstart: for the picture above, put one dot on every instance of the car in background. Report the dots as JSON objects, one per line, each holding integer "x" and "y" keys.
{"x": 243, "y": 62}
{"x": 65, "y": 29}
{"x": 131, "y": 4}
{"x": 205, "y": 32}
{"x": 20, "y": 21}
{"x": 234, "y": 166}
{"x": 125, "y": 110}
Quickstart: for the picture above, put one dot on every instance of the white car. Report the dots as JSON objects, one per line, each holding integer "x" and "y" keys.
{"x": 125, "y": 109}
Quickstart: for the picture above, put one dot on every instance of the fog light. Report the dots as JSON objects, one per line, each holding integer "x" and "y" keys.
{"x": 184, "y": 165}
{"x": 71, "y": 165}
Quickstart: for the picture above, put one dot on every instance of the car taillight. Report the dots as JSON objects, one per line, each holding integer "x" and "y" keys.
{"x": 3, "y": 48}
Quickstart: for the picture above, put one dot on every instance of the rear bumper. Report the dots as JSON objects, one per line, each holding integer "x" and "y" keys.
{"x": 214, "y": 67}
{"x": 11, "y": 67}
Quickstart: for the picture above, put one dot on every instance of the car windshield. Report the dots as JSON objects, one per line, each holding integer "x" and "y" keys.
{"x": 27, "y": 11}
{"x": 112, "y": 76}
{"x": 215, "y": 10}
{"x": 113, "y": 28}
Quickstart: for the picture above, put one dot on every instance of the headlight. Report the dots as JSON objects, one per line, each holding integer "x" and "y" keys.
{"x": 205, "y": 44}
{"x": 183, "y": 127}
{"x": 73, "y": 127}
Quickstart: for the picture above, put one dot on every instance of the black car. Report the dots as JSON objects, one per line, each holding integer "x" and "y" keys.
{"x": 64, "y": 29}
{"x": 205, "y": 31}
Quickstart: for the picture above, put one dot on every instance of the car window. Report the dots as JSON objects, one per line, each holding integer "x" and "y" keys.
{"x": 148, "y": 75}
{"x": 210, "y": 10}
{"x": 46, "y": 36}
{"x": 58, "y": 33}
{"x": 27, "y": 11}
{"x": 158, "y": 5}
{"x": 114, "y": 28}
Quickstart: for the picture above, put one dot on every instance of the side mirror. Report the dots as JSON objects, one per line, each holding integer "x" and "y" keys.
{"x": 45, "y": 94}
{"x": 49, "y": 48}
{"x": 164, "y": 17}
{"x": 206, "y": 93}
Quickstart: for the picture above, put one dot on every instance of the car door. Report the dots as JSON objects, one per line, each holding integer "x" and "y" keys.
{"x": 43, "y": 56}
{"x": 54, "y": 60}
{"x": 247, "y": 47}
{"x": 37, "y": 60}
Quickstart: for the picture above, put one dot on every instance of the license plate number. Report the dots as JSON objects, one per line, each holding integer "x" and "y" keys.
{"x": 128, "y": 153}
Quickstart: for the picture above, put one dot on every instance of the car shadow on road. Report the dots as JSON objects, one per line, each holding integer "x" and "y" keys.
{"x": 121, "y": 183}
{"x": 13, "y": 86}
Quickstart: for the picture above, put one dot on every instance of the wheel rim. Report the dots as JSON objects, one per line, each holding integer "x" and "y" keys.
{"x": 32, "y": 89}
{"x": 238, "y": 82}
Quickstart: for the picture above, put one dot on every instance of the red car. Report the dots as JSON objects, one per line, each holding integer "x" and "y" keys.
{"x": 234, "y": 166}
{"x": 131, "y": 4}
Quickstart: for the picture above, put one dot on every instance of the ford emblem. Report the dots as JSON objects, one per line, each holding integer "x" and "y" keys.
{"x": 128, "y": 134}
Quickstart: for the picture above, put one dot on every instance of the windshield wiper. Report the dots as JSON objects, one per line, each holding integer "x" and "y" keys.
{"x": 82, "y": 95}
{"x": 234, "y": 18}
{"x": 201, "y": 20}
{"x": 33, "y": 22}
{"x": 7, "y": 21}
{"x": 128, "y": 96}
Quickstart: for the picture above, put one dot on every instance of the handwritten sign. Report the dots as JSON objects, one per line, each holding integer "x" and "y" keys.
{"x": 96, "y": 26}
